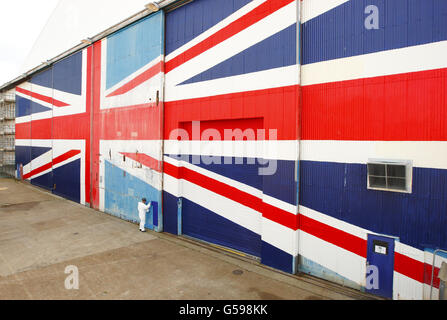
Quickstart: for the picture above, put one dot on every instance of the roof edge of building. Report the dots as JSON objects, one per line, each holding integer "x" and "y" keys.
{"x": 89, "y": 41}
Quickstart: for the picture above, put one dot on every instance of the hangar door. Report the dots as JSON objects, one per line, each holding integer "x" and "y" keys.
{"x": 127, "y": 122}
{"x": 225, "y": 63}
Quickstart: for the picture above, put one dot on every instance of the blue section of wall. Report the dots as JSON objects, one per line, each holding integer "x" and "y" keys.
{"x": 341, "y": 32}
{"x": 25, "y": 154}
{"x": 347, "y": 198}
{"x": 187, "y": 22}
{"x": 67, "y": 74}
{"x": 45, "y": 181}
{"x": 123, "y": 192}
{"x": 204, "y": 224}
{"x": 23, "y": 107}
{"x": 277, "y": 51}
{"x": 38, "y": 108}
{"x": 43, "y": 78}
{"x": 282, "y": 184}
{"x": 276, "y": 258}
{"x": 68, "y": 181}
{"x": 27, "y": 107}
{"x": 169, "y": 213}
{"x": 132, "y": 48}
{"x": 241, "y": 169}
{"x": 154, "y": 208}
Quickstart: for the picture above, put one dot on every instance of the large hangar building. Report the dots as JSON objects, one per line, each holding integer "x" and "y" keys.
{"x": 310, "y": 135}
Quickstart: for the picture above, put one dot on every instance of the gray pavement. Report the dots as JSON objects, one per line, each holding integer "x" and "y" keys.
{"x": 41, "y": 234}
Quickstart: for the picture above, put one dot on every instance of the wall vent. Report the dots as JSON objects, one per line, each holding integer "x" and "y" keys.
{"x": 390, "y": 175}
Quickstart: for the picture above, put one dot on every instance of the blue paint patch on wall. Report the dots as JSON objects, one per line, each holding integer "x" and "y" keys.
{"x": 68, "y": 181}
{"x": 191, "y": 20}
{"x": 317, "y": 270}
{"x": 67, "y": 74}
{"x": 276, "y": 258}
{"x": 341, "y": 32}
{"x": 154, "y": 208}
{"x": 123, "y": 192}
{"x": 201, "y": 223}
{"x": 133, "y": 47}
{"x": 403, "y": 215}
{"x": 170, "y": 213}
{"x": 276, "y": 51}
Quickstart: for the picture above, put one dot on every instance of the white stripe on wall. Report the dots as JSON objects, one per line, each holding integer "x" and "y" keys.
{"x": 424, "y": 154}
{"x": 384, "y": 63}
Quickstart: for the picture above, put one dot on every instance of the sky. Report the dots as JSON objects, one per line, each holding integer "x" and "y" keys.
{"x": 33, "y": 31}
{"x": 21, "y": 22}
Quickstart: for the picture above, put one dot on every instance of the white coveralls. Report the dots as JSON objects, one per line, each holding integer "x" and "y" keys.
{"x": 142, "y": 209}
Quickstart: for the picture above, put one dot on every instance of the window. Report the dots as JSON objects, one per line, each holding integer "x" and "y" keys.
{"x": 390, "y": 175}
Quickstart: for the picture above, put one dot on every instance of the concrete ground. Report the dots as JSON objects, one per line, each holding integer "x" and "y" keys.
{"x": 40, "y": 235}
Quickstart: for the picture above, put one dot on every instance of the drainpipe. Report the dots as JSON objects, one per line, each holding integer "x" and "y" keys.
{"x": 433, "y": 269}
{"x": 299, "y": 43}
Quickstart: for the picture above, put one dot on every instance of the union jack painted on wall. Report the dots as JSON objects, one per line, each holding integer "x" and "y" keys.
{"x": 96, "y": 117}
{"x": 52, "y": 129}
{"x": 234, "y": 69}
{"x": 137, "y": 115}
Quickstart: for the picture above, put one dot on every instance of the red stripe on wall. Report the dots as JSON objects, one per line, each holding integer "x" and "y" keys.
{"x": 276, "y": 107}
{"x": 409, "y": 267}
{"x": 404, "y": 107}
{"x": 146, "y": 75}
{"x": 43, "y": 98}
{"x": 256, "y": 15}
{"x": 23, "y": 130}
{"x": 427, "y": 275}
{"x": 145, "y": 160}
{"x": 60, "y": 128}
{"x": 333, "y": 235}
{"x": 145, "y": 120}
{"x": 275, "y": 214}
{"x": 55, "y": 161}
{"x": 96, "y": 125}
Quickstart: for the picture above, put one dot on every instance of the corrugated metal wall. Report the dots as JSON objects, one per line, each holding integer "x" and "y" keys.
{"x": 374, "y": 93}
{"x": 127, "y": 103}
{"x": 137, "y": 115}
{"x": 49, "y": 143}
{"x": 232, "y": 65}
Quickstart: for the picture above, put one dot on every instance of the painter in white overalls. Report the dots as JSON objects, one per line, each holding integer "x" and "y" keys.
{"x": 143, "y": 208}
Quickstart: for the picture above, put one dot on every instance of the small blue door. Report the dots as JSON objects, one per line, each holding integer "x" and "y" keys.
{"x": 380, "y": 260}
